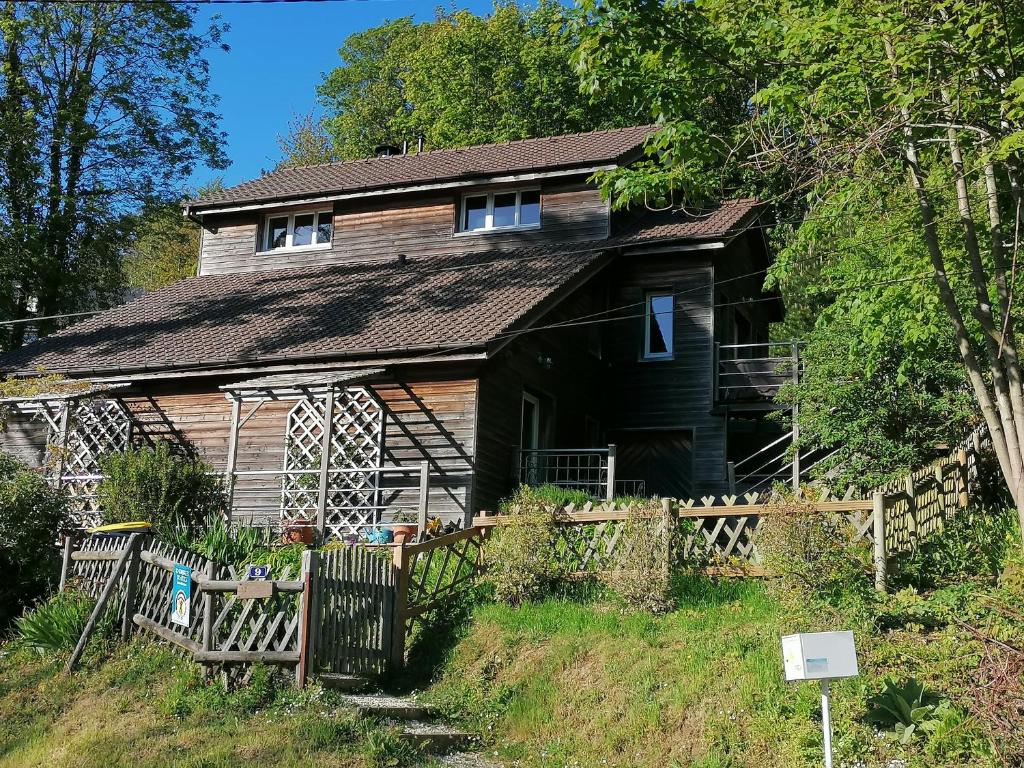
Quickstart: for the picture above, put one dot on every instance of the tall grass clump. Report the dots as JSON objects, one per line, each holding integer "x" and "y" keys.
{"x": 55, "y": 625}
{"x": 521, "y": 559}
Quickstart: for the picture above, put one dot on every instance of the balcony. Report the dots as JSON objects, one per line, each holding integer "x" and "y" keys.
{"x": 753, "y": 374}
{"x": 590, "y": 470}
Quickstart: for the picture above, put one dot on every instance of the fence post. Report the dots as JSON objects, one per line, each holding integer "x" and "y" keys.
{"x": 130, "y": 585}
{"x": 963, "y": 494}
{"x": 668, "y": 522}
{"x": 878, "y": 533}
{"x": 908, "y": 488}
{"x": 609, "y": 493}
{"x": 424, "y": 502}
{"x": 730, "y": 476}
{"x": 401, "y": 566}
{"x": 211, "y": 573}
{"x": 307, "y": 634}
{"x": 65, "y": 564}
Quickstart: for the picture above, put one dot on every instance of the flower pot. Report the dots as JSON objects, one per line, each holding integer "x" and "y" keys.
{"x": 404, "y": 533}
{"x": 299, "y": 534}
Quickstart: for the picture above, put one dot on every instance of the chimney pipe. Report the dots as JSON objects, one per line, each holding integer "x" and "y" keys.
{"x": 420, "y": 141}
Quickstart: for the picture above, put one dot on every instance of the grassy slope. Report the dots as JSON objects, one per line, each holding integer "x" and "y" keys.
{"x": 563, "y": 683}
{"x": 144, "y": 707}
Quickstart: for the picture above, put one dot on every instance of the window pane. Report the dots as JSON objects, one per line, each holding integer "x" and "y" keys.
{"x": 324, "y": 228}
{"x": 505, "y": 210}
{"x": 529, "y": 208}
{"x": 303, "y": 234}
{"x": 476, "y": 213}
{"x": 277, "y": 232}
{"x": 659, "y": 325}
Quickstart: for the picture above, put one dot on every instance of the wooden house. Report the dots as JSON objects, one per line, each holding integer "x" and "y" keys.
{"x": 424, "y": 331}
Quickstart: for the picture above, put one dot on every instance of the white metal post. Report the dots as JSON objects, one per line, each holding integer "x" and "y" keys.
{"x": 826, "y": 722}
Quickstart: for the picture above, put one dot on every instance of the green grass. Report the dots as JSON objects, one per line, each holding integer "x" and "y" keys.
{"x": 577, "y": 683}
{"x": 143, "y": 706}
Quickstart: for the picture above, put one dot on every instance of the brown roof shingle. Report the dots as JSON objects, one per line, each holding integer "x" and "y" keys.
{"x": 331, "y": 312}
{"x": 722, "y": 220}
{"x": 440, "y": 165}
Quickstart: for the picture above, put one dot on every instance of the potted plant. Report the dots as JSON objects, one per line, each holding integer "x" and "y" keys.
{"x": 405, "y": 526}
{"x": 299, "y": 533}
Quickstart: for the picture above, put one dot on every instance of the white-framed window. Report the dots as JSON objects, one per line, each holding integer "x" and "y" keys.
{"x": 300, "y": 229}
{"x": 486, "y": 211}
{"x": 659, "y": 315}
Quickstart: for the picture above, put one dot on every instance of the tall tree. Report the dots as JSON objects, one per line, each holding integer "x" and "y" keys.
{"x": 104, "y": 106}
{"x": 902, "y": 118}
{"x": 464, "y": 79}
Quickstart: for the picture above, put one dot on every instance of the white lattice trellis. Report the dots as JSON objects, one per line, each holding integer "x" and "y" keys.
{"x": 95, "y": 429}
{"x": 357, "y": 437}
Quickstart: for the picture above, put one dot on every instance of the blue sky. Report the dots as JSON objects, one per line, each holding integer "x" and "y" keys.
{"x": 278, "y": 55}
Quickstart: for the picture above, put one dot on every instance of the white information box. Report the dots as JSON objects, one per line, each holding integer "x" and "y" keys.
{"x": 819, "y": 656}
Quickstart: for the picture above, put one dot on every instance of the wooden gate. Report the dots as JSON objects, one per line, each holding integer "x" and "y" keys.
{"x": 352, "y": 622}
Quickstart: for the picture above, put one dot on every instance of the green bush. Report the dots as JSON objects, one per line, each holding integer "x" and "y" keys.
{"x": 56, "y": 625}
{"x": 815, "y": 554}
{"x": 521, "y": 560}
{"x": 170, "y": 491}
{"x": 32, "y": 515}
{"x": 645, "y": 559}
{"x": 972, "y": 547}
{"x": 908, "y": 709}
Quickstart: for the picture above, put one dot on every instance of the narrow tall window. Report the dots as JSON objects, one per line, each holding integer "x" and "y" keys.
{"x": 658, "y": 320}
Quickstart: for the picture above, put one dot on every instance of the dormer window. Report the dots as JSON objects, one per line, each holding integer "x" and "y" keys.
{"x": 303, "y": 229}
{"x": 500, "y": 210}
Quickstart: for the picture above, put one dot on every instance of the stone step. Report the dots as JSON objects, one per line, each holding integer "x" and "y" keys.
{"x": 389, "y": 707}
{"x": 437, "y": 738}
{"x": 338, "y": 682}
{"x": 466, "y": 760}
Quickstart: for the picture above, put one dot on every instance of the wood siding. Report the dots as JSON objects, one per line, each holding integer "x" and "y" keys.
{"x": 674, "y": 394}
{"x": 381, "y": 228}
{"x": 25, "y": 438}
{"x": 558, "y": 368}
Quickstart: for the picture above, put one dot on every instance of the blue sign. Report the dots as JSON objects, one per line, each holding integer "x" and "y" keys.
{"x": 181, "y": 595}
{"x": 257, "y": 572}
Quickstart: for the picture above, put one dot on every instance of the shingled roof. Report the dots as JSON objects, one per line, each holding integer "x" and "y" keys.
{"x": 329, "y": 313}
{"x": 482, "y": 161}
{"x": 720, "y": 221}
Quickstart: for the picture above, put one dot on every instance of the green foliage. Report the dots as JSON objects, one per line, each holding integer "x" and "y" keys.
{"x": 462, "y": 79}
{"x": 556, "y": 496}
{"x": 101, "y": 107}
{"x": 973, "y": 546}
{"x": 166, "y": 245}
{"x": 386, "y": 749}
{"x": 56, "y": 625}
{"x": 32, "y": 514}
{"x": 908, "y": 709}
{"x": 814, "y": 554}
{"x": 646, "y": 558}
{"x": 192, "y": 695}
{"x": 169, "y": 490}
{"x": 522, "y": 564}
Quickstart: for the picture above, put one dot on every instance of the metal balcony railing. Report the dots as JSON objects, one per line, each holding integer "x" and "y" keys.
{"x": 754, "y": 372}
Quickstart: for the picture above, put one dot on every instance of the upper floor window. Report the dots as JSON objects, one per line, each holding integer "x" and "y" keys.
{"x": 500, "y": 210}
{"x": 658, "y": 317}
{"x": 303, "y": 229}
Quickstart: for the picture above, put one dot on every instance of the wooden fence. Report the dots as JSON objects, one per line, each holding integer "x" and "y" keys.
{"x": 724, "y": 530}
{"x": 349, "y": 611}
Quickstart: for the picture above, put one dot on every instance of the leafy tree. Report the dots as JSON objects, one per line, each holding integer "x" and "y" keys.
{"x": 103, "y": 106}
{"x": 463, "y": 79}
{"x": 165, "y": 248}
{"x": 306, "y": 143}
{"x": 895, "y": 123}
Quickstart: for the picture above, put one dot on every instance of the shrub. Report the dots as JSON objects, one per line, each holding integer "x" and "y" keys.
{"x": 56, "y": 625}
{"x": 521, "y": 559}
{"x": 645, "y": 558}
{"x": 32, "y": 515}
{"x": 170, "y": 491}
{"x": 814, "y": 553}
{"x": 972, "y": 547}
{"x": 908, "y": 709}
